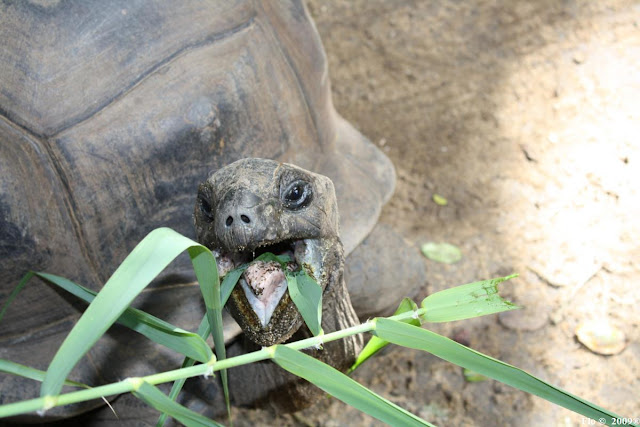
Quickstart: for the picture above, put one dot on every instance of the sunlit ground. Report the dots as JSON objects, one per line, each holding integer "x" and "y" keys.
{"x": 526, "y": 117}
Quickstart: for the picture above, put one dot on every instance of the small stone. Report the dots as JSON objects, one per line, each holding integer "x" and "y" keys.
{"x": 601, "y": 337}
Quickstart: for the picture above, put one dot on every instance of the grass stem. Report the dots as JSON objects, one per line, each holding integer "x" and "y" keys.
{"x": 125, "y": 386}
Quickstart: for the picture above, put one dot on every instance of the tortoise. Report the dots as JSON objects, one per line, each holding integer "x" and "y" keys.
{"x": 254, "y": 206}
{"x": 111, "y": 113}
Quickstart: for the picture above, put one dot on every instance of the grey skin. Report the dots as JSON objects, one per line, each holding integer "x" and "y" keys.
{"x": 257, "y": 205}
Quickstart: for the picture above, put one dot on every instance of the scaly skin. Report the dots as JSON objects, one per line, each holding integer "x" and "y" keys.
{"x": 252, "y": 205}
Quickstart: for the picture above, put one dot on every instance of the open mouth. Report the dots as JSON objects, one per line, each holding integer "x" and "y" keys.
{"x": 264, "y": 281}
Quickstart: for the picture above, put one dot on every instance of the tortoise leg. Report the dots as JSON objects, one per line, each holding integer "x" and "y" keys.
{"x": 381, "y": 271}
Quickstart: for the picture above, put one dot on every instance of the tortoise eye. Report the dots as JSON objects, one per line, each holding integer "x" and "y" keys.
{"x": 205, "y": 208}
{"x": 297, "y": 195}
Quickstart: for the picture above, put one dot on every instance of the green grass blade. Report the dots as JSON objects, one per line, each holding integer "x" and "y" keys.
{"x": 79, "y": 291}
{"x": 14, "y": 368}
{"x": 203, "y": 331}
{"x": 306, "y": 294}
{"x": 409, "y": 336}
{"x": 228, "y": 283}
{"x": 157, "y": 330}
{"x": 206, "y": 270}
{"x": 268, "y": 256}
{"x": 376, "y": 344}
{"x": 466, "y": 301}
{"x": 15, "y": 292}
{"x": 152, "y": 396}
{"x": 344, "y": 388}
{"x": 142, "y": 265}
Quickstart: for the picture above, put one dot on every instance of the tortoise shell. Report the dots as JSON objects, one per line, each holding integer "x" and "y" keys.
{"x": 110, "y": 115}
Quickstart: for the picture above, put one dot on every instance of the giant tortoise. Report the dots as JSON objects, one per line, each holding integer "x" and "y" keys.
{"x": 111, "y": 113}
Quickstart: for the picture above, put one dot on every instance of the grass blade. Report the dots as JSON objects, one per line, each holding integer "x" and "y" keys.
{"x": 203, "y": 331}
{"x": 344, "y": 388}
{"x": 206, "y": 270}
{"x": 376, "y": 344}
{"x": 306, "y": 294}
{"x": 14, "y": 368}
{"x": 157, "y": 330}
{"x": 449, "y": 350}
{"x": 466, "y": 301}
{"x": 152, "y": 396}
{"x": 142, "y": 265}
{"x": 15, "y": 292}
{"x": 228, "y": 283}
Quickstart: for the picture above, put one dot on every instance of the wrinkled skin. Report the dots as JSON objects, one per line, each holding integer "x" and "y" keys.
{"x": 257, "y": 205}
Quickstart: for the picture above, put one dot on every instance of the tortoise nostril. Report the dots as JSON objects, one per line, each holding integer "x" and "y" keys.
{"x": 229, "y": 221}
{"x": 245, "y": 219}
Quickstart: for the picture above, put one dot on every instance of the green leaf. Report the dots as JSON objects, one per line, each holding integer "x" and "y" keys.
{"x": 14, "y": 368}
{"x": 441, "y": 252}
{"x": 157, "y": 330}
{"x": 417, "y": 338}
{"x": 439, "y": 200}
{"x": 268, "y": 256}
{"x": 229, "y": 282}
{"x": 152, "y": 396}
{"x": 376, "y": 344}
{"x": 306, "y": 294}
{"x": 466, "y": 301}
{"x": 206, "y": 270}
{"x": 142, "y": 265}
{"x": 203, "y": 331}
{"x": 344, "y": 388}
{"x": 15, "y": 292}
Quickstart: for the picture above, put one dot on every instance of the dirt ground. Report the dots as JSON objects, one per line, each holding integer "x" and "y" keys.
{"x": 525, "y": 117}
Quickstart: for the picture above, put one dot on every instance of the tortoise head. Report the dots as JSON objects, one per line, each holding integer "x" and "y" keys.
{"x": 254, "y": 206}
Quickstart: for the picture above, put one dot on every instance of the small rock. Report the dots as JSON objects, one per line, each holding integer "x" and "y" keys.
{"x": 579, "y": 58}
{"x": 601, "y": 337}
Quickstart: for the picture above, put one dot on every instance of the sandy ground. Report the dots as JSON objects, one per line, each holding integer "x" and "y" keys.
{"x": 525, "y": 117}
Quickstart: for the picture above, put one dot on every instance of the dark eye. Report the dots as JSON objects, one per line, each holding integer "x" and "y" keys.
{"x": 297, "y": 195}
{"x": 205, "y": 208}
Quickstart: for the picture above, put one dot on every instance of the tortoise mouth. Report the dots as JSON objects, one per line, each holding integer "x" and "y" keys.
{"x": 264, "y": 282}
